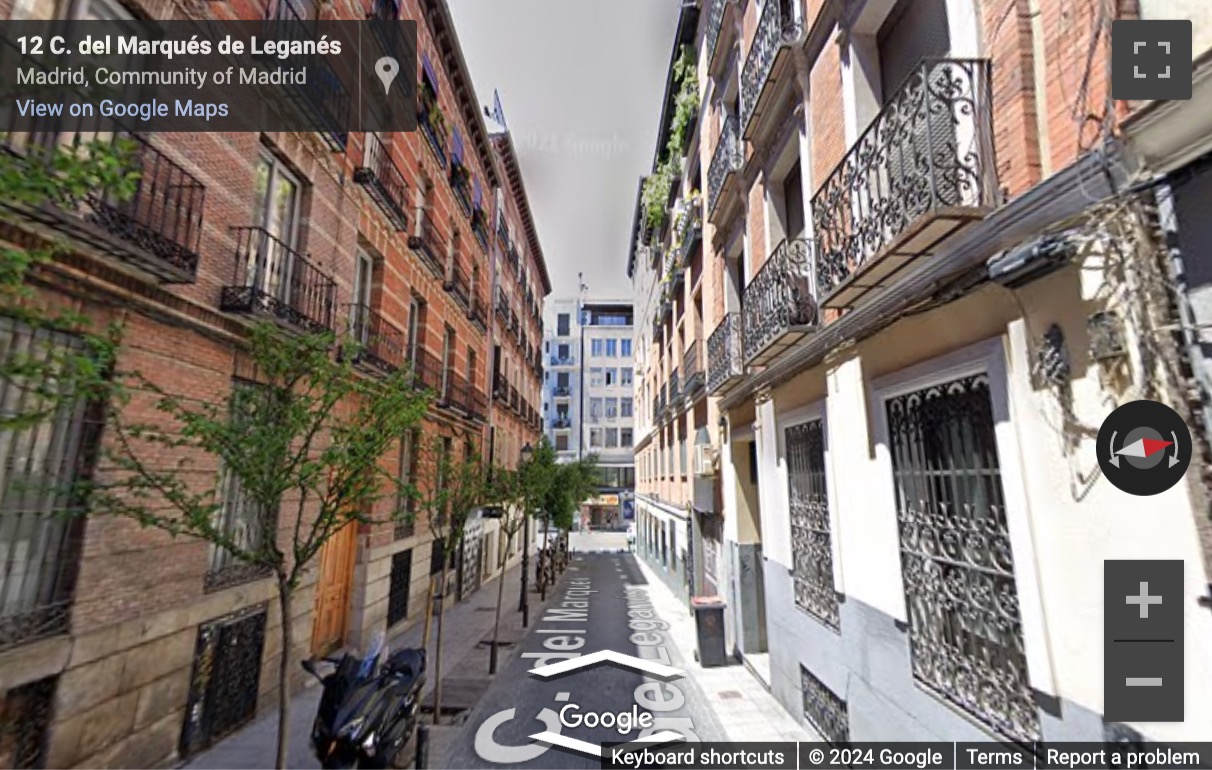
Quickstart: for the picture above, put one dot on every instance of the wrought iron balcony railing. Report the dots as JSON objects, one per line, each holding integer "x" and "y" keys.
{"x": 478, "y": 312}
{"x": 924, "y": 169}
{"x": 273, "y": 279}
{"x": 692, "y": 372}
{"x": 432, "y": 122}
{"x": 675, "y": 387}
{"x": 427, "y": 372}
{"x": 777, "y": 29}
{"x": 561, "y": 423}
{"x": 502, "y": 305}
{"x": 561, "y": 391}
{"x": 461, "y": 187}
{"x": 500, "y": 391}
{"x": 502, "y": 232}
{"x": 513, "y": 397}
{"x": 715, "y": 20}
{"x": 692, "y": 232}
{"x": 479, "y": 228}
{"x": 725, "y": 162}
{"x": 514, "y": 328}
{"x": 725, "y": 365}
{"x": 382, "y": 178}
{"x": 477, "y": 406}
{"x": 428, "y": 242}
{"x": 380, "y": 343}
{"x": 155, "y": 227}
{"x": 777, "y": 304}
{"x": 457, "y": 283}
{"x": 323, "y": 95}
{"x": 562, "y": 361}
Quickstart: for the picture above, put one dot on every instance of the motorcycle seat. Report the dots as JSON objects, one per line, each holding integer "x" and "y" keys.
{"x": 409, "y": 660}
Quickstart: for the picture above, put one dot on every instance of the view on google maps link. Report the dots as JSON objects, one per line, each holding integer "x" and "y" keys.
{"x": 644, "y": 383}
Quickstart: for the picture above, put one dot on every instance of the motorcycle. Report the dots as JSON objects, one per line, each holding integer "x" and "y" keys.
{"x": 368, "y": 709}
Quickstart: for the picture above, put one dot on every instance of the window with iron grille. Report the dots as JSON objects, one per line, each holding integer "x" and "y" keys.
{"x": 406, "y": 504}
{"x": 811, "y": 537}
{"x": 47, "y": 447}
{"x": 966, "y": 635}
{"x": 823, "y": 709}
{"x": 400, "y": 584}
{"x": 25, "y": 716}
{"x": 245, "y": 520}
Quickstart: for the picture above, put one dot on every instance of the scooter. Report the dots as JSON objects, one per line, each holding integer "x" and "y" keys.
{"x": 368, "y": 709}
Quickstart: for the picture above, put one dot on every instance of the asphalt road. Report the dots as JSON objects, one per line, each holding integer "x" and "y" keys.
{"x": 519, "y": 704}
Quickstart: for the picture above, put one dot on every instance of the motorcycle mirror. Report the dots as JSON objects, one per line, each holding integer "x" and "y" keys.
{"x": 309, "y": 666}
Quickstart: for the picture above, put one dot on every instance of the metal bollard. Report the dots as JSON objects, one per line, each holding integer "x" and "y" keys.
{"x": 422, "y": 747}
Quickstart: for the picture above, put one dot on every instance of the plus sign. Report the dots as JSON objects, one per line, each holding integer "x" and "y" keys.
{"x": 1144, "y": 600}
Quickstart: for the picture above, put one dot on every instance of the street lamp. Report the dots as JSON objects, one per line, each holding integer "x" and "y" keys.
{"x": 527, "y": 455}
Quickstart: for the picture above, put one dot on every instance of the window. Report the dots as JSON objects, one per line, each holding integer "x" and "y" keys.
{"x": 448, "y": 356}
{"x": 562, "y": 387}
{"x": 406, "y": 473}
{"x": 562, "y": 353}
{"x": 612, "y": 408}
{"x": 624, "y": 407}
{"x": 625, "y": 375}
{"x": 595, "y": 438}
{"x": 612, "y": 438}
{"x": 561, "y": 442}
{"x": 612, "y": 376}
{"x": 612, "y": 348}
{"x": 625, "y": 438}
{"x": 625, "y": 348}
{"x": 37, "y": 462}
{"x": 596, "y": 347}
{"x": 563, "y": 326}
{"x": 245, "y": 520}
{"x": 360, "y": 309}
{"x": 947, "y": 477}
{"x": 595, "y": 409}
{"x": 595, "y": 377}
{"x": 811, "y": 535}
{"x": 275, "y": 215}
{"x": 416, "y": 329}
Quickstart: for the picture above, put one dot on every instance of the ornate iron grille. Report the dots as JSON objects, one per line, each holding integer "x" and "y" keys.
{"x": 777, "y": 27}
{"x": 824, "y": 710}
{"x": 779, "y": 296}
{"x": 381, "y": 344}
{"x": 272, "y": 278}
{"x": 430, "y": 243}
{"x": 400, "y": 583}
{"x": 25, "y": 716}
{"x": 715, "y": 20}
{"x": 724, "y": 353}
{"x": 226, "y": 678}
{"x": 966, "y": 635}
{"x": 470, "y": 570}
{"x": 42, "y": 458}
{"x": 384, "y": 181}
{"x": 931, "y": 147}
{"x": 811, "y": 532}
{"x": 726, "y": 159}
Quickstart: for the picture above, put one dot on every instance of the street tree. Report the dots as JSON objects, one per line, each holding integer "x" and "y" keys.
{"x": 300, "y": 446}
{"x": 447, "y": 493}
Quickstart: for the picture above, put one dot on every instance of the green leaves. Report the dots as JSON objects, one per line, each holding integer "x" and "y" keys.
{"x": 654, "y": 198}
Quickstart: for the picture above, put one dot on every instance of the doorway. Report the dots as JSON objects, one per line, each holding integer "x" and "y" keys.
{"x": 333, "y": 590}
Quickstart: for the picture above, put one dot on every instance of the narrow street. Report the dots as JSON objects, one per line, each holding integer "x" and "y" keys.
{"x": 514, "y": 706}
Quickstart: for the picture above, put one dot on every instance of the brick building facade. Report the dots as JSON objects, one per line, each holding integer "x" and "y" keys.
{"x": 108, "y": 631}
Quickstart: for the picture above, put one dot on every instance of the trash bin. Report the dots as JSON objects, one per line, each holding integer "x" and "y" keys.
{"x": 709, "y": 623}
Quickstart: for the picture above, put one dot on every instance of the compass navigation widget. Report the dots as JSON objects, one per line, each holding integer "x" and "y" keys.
{"x": 1144, "y": 448}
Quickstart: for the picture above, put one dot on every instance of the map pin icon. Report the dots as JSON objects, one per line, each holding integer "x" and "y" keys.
{"x": 387, "y": 68}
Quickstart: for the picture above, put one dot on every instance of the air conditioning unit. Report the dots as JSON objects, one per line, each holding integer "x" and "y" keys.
{"x": 704, "y": 460}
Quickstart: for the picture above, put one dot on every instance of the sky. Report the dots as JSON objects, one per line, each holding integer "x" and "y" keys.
{"x": 581, "y": 84}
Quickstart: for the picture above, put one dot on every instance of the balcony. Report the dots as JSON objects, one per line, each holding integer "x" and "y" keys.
{"x": 675, "y": 388}
{"x": 513, "y": 398}
{"x": 477, "y": 405}
{"x": 380, "y": 343}
{"x": 768, "y": 56}
{"x": 724, "y": 364}
{"x": 478, "y": 312}
{"x": 920, "y": 173}
{"x": 431, "y": 121}
{"x": 429, "y": 243}
{"x": 274, "y": 280}
{"x": 500, "y": 391}
{"x": 561, "y": 422}
{"x": 692, "y": 372}
{"x": 156, "y": 228}
{"x": 777, "y": 304}
{"x": 479, "y": 227}
{"x": 457, "y": 283}
{"x": 428, "y": 373}
{"x": 502, "y": 306}
{"x": 691, "y": 232}
{"x": 323, "y": 97}
{"x": 721, "y": 174}
{"x": 514, "y": 327}
{"x": 384, "y": 182}
{"x": 460, "y": 184}
{"x": 561, "y": 391}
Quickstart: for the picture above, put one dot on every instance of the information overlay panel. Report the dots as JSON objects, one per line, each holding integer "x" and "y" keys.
{"x": 279, "y": 74}
{"x": 909, "y": 756}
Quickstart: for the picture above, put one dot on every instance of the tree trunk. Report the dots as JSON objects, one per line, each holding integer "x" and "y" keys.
{"x": 496, "y": 623}
{"x": 285, "y": 593}
{"x": 437, "y": 686}
{"x": 428, "y": 613}
{"x": 546, "y": 558}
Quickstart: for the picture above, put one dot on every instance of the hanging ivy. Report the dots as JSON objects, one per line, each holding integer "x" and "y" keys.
{"x": 655, "y": 196}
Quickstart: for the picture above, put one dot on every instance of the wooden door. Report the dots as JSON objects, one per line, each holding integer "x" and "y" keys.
{"x": 333, "y": 588}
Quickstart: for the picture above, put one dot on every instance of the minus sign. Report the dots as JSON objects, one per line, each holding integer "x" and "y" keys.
{"x": 1143, "y": 681}
{"x": 1142, "y": 640}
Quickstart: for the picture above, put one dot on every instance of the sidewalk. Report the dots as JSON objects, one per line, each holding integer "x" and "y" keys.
{"x": 743, "y": 705}
{"x": 464, "y": 676}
